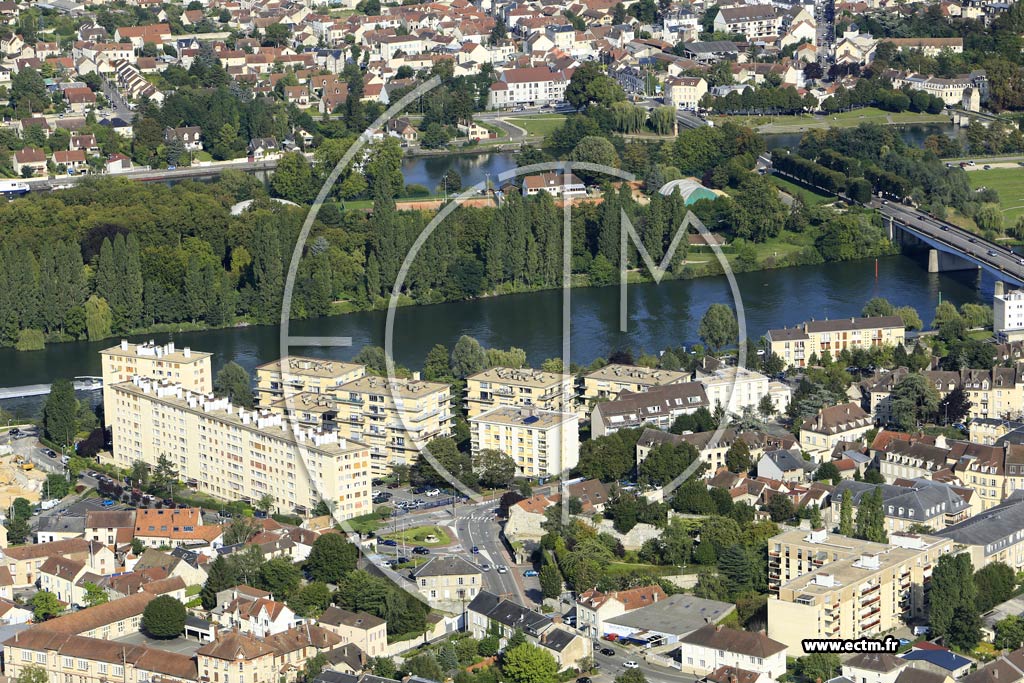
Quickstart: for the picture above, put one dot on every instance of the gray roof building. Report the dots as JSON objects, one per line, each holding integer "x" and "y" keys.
{"x": 675, "y": 616}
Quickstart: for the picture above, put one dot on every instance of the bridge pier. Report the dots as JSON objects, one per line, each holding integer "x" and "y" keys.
{"x": 999, "y": 288}
{"x": 941, "y": 261}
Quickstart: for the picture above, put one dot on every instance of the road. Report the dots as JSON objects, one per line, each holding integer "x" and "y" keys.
{"x": 119, "y": 108}
{"x": 613, "y": 666}
{"x": 161, "y": 175}
{"x": 478, "y": 525}
{"x": 1002, "y": 261}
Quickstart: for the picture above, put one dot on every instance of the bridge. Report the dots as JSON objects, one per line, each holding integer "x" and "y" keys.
{"x": 689, "y": 120}
{"x": 951, "y": 247}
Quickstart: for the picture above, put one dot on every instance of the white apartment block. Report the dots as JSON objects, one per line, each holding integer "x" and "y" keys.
{"x": 232, "y": 453}
{"x": 191, "y": 369}
{"x": 1008, "y": 313}
{"x": 531, "y": 86}
{"x": 543, "y": 443}
{"x": 737, "y": 389}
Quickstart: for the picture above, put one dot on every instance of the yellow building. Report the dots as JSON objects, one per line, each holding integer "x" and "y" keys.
{"x": 395, "y": 418}
{"x": 846, "y": 422}
{"x": 608, "y": 382}
{"x": 543, "y": 443}
{"x": 853, "y": 589}
{"x": 293, "y": 375}
{"x": 233, "y": 453}
{"x": 518, "y": 387}
{"x": 796, "y": 345}
{"x": 191, "y": 369}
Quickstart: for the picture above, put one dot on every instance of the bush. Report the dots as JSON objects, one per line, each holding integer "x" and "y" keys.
{"x": 416, "y": 190}
{"x": 164, "y": 617}
{"x": 30, "y": 340}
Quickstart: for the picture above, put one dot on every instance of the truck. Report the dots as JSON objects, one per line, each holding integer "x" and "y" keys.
{"x": 49, "y": 504}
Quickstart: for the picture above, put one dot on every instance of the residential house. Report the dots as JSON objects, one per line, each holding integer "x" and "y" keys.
{"x": 73, "y": 160}
{"x": 555, "y": 184}
{"x": 189, "y": 136}
{"x": 844, "y": 422}
{"x": 658, "y": 406}
{"x": 785, "y": 465}
{"x": 112, "y": 528}
{"x": 170, "y": 528}
{"x": 684, "y": 92}
{"x": 714, "y": 646}
{"x": 594, "y": 607}
{"x": 448, "y": 580}
{"x": 365, "y": 631}
{"x": 29, "y": 161}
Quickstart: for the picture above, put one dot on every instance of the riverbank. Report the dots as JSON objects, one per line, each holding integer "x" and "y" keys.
{"x": 798, "y": 123}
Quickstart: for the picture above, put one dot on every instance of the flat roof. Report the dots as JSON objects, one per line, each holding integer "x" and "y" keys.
{"x": 520, "y": 377}
{"x": 309, "y": 367}
{"x": 525, "y": 417}
{"x": 154, "y": 351}
{"x": 636, "y": 374}
{"x": 405, "y": 388}
{"x": 677, "y": 614}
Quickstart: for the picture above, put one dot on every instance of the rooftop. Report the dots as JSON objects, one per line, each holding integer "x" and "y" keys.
{"x": 525, "y": 417}
{"x": 151, "y": 349}
{"x": 636, "y": 374}
{"x": 309, "y": 367}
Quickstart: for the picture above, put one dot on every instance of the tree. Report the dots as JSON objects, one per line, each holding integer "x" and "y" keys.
{"x": 293, "y": 178}
{"x": 953, "y": 598}
{"x": 1009, "y": 633}
{"x": 233, "y": 381}
{"x": 98, "y": 318}
{"x": 737, "y": 458}
{"x": 468, "y": 357}
{"x": 18, "y": 530}
{"x": 665, "y": 462}
{"x": 827, "y": 471}
{"x": 718, "y": 328}
{"x": 870, "y": 524}
{"x": 914, "y": 399}
{"x": 631, "y": 676}
{"x": 45, "y": 605}
{"x": 28, "y": 91}
{"x": 846, "y": 514}
{"x": 165, "y": 475}
{"x": 311, "y": 600}
{"x": 164, "y": 617}
{"x": 780, "y": 508}
{"x": 60, "y": 413}
{"x": 819, "y": 665}
{"x": 220, "y": 576}
{"x": 266, "y": 502}
{"x": 280, "y": 577}
{"x": 57, "y": 486}
{"x": 995, "y": 584}
{"x": 589, "y": 85}
{"x": 240, "y": 530}
{"x": 331, "y": 557}
{"x": 494, "y": 468}
{"x": 955, "y": 407}
{"x": 33, "y": 674}
{"x": 527, "y": 663}
{"x": 436, "y": 367}
{"x": 94, "y": 595}
{"x": 596, "y": 150}
{"x": 550, "y": 580}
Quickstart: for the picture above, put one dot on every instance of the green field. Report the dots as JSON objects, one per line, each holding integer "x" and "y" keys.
{"x": 808, "y": 196}
{"x": 539, "y": 124}
{"x": 418, "y": 536}
{"x": 846, "y": 119}
{"x": 1009, "y": 183}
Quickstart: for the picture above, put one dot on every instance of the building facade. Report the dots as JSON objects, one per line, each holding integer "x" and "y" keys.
{"x": 523, "y": 387}
{"x": 543, "y": 443}
{"x": 796, "y": 345}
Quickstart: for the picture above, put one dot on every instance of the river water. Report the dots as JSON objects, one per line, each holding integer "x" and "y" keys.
{"x": 659, "y": 315}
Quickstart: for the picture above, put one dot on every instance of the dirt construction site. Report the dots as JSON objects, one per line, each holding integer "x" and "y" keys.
{"x": 18, "y": 478}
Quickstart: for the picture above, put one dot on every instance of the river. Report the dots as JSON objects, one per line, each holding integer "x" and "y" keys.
{"x": 659, "y": 316}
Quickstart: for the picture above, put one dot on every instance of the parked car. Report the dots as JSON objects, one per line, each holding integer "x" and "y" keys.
{"x": 49, "y": 452}
{"x": 420, "y": 550}
{"x": 607, "y": 652}
{"x": 389, "y": 542}
{"x": 474, "y": 550}
{"x": 394, "y": 485}
{"x": 419, "y": 489}
{"x": 107, "y": 503}
{"x": 630, "y": 664}
{"x": 434, "y": 492}
{"x": 583, "y": 679}
{"x": 401, "y": 560}
{"x": 531, "y": 572}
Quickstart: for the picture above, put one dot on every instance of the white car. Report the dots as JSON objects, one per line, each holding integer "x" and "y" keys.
{"x": 434, "y": 492}
{"x": 630, "y": 664}
{"x": 502, "y": 569}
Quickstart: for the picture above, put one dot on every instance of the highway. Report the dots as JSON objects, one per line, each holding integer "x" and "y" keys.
{"x": 999, "y": 260}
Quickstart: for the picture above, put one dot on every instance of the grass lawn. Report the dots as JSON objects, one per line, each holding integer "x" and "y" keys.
{"x": 202, "y": 156}
{"x": 808, "y": 196}
{"x": 538, "y": 124}
{"x": 1009, "y": 183}
{"x": 418, "y": 536}
{"x": 846, "y": 119}
{"x": 364, "y": 524}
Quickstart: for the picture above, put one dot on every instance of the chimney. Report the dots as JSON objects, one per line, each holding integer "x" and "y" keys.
{"x": 124, "y": 344}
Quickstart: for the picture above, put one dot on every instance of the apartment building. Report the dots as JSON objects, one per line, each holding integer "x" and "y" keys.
{"x": 712, "y": 451}
{"x": 854, "y": 597}
{"x": 740, "y": 389}
{"x": 608, "y": 382}
{"x": 1008, "y": 315}
{"x": 996, "y": 393}
{"x": 846, "y": 422}
{"x": 796, "y": 345}
{"x": 393, "y": 417}
{"x": 295, "y": 375}
{"x": 950, "y": 90}
{"x": 245, "y": 657}
{"x": 233, "y": 453}
{"x": 543, "y": 443}
{"x": 910, "y": 458}
{"x": 684, "y": 92}
{"x": 191, "y": 369}
{"x": 71, "y": 657}
{"x": 365, "y": 631}
{"x": 659, "y": 406}
{"x": 993, "y": 472}
{"x": 523, "y": 387}
{"x": 995, "y": 535}
{"x": 753, "y": 21}
{"x": 527, "y": 87}
{"x": 929, "y": 47}
{"x": 931, "y": 503}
